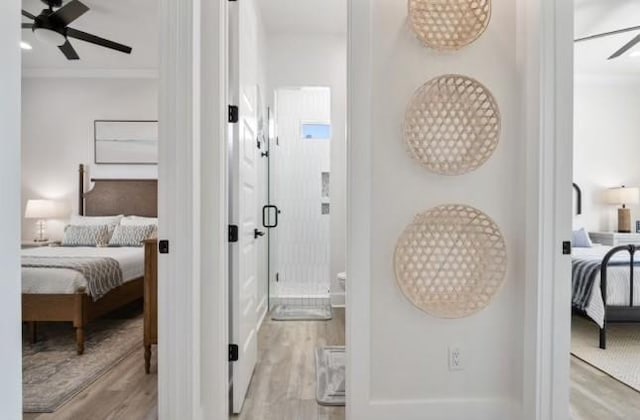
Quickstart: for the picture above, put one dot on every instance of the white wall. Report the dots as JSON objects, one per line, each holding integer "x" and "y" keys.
{"x": 57, "y": 135}
{"x": 407, "y": 374}
{"x": 319, "y": 60}
{"x": 606, "y": 146}
{"x": 10, "y": 325}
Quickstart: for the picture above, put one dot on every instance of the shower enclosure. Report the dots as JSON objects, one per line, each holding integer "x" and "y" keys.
{"x": 299, "y": 206}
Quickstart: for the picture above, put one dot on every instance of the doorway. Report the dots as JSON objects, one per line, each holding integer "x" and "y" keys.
{"x": 89, "y": 184}
{"x": 606, "y": 231}
{"x": 300, "y": 185}
{"x": 287, "y": 195}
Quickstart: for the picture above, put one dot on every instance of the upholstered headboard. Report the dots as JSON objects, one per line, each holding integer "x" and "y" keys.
{"x": 109, "y": 197}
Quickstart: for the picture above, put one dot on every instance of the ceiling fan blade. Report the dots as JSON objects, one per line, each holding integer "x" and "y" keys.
{"x": 27, "y": 14}
{"x": 68, "y": 13}
{"x": 83, "y": 36}
{"x": 68, "y": 51}
{"x": 27, "y": 25}
{"x": 619, "y": 31}
{"x": 626, "y": 47}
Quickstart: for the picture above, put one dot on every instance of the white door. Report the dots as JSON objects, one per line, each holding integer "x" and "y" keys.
{"x": 243, "y": 191}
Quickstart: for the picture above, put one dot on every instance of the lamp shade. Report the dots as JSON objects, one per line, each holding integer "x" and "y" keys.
{"x": 623, "y": 195}
{"x": 43, "y": 209}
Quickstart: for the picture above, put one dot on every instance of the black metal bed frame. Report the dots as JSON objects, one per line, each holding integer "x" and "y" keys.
{"x": 617, "y": 313}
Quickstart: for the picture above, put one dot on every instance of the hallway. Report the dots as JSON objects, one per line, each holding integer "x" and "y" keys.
{"x": 283, "y": 385}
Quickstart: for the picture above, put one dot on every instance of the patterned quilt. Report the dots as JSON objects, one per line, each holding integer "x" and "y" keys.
{"x": 102, "y": 273}
{"x": 583, "y": 277}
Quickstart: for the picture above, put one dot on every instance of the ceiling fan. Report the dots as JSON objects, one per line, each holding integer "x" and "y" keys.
{"x": 52, "y": 27}
{"x": 626, "y": 47}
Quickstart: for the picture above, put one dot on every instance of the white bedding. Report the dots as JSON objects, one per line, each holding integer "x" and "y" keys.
{"x": 67, "y": 281}
{"x": 617, "y": 282}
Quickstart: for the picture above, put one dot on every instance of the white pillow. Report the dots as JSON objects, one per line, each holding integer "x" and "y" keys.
{"x": 95, "y": 220}
{"x": 580, "y": 239}
{"x": 131, "y": 235}
{"x": 86, "y": 235}
{"x": 138, "y": 221}
{"x": 141, "y": 221}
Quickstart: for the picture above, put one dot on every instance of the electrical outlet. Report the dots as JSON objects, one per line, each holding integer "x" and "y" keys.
{"x": 455, "y": 358}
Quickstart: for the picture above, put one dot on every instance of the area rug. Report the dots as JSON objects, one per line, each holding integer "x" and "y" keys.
{"x": 52, "y": 371}
{"x": 621, "y": 359}
{"x": 288, "y": 312}
{"x": 331, "y": 375}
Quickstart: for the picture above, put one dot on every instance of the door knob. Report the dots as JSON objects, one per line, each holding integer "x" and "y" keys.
{"x": 257, "y": 233}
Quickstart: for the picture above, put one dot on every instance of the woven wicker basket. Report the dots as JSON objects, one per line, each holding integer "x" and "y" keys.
{"x": 452, "y": 124}
{"x": 448, "y": 25}
{"x": 451, "y": 261}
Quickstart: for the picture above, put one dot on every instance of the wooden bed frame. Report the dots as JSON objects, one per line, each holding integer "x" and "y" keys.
{"x": 108, "y": 197}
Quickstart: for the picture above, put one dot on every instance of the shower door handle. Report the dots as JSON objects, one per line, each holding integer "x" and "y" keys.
{"x": 265, "y": 214}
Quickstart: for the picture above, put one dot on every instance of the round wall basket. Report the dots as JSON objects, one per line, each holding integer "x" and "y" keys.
{"x": 448, "y": 25}
{"x": 452, "y": 124}
{"x": 451, "y": 261}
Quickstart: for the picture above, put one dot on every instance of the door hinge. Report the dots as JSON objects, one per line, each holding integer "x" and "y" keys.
{"x": 566, "y": 248}
{"x": 233, "y": 233}
{"x": 233, "y": 348}
{"x": 234, "y": 113}
{"x": 163, "y": 246}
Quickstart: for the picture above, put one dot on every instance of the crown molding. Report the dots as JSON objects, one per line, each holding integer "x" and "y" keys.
{"x": 607, "y": 78}
{"x": 58, "y": 73}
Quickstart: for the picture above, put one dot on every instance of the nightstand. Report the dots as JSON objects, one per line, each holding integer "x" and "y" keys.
{"x": 34, "y": 244}
{"x": 615, "y": 238}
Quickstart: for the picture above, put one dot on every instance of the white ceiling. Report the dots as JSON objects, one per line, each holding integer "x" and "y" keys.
{"x": 304, "y": 16}
{"x": 129, "y": 22}
{"x": 597, "y": 16}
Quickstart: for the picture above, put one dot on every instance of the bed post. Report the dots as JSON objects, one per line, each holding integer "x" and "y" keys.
{"x": 603, "y": 291}
{"x": 79, "y": 322}
{"x": 81, "y": 190}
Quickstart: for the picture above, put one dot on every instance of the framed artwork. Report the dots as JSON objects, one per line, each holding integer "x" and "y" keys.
{"x": 126, "y": 142}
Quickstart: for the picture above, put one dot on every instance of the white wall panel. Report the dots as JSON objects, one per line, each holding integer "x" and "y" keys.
{"x": 10, "y": 325}
{"x": 408, "y": 348}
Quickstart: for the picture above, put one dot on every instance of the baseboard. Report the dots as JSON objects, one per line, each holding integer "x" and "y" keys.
{"x": 442, "y": 409}
{"x": 262, "y": 312}
{"x": 338, "y": 299}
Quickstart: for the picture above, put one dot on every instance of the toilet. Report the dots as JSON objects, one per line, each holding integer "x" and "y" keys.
{"x": 342, "y": 280}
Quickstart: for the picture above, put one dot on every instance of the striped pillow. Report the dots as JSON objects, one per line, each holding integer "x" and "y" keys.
{"x": 86, "y": 235}
{"x": 131, "y": 235}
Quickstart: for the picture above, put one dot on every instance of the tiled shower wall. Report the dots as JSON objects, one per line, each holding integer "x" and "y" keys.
{"x": 300, "y": 245}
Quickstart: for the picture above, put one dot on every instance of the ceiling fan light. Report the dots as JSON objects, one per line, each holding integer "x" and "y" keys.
{"x": 49, "y": 37}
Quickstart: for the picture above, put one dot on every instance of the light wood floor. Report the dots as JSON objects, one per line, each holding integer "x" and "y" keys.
{"x": 125, "y": 392}
{"x": 283, "y": 386}
{"x": 597, "y": 396}
{"x": 284, "y": 383}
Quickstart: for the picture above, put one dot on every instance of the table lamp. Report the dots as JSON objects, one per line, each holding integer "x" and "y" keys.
{"x": 623, "y": 196}
{"x": 42, "y": 210}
